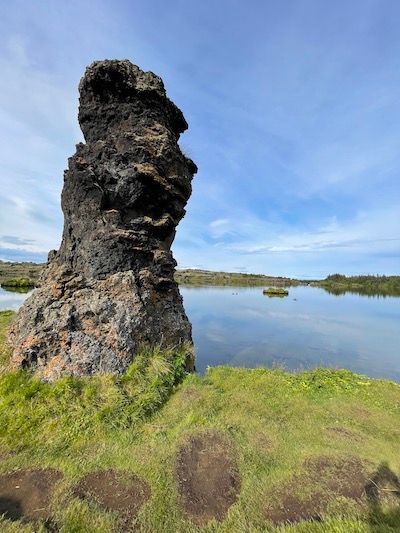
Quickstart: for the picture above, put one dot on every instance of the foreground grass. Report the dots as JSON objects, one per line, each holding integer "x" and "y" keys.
{"x": 275, "y": 421}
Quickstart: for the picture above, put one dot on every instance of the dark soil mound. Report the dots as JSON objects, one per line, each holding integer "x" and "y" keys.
{"x": 26, "y": 494}
{"x": 306, "y": 496}
{"x": 208, "y": 478}
{"x": 114, "y": 491}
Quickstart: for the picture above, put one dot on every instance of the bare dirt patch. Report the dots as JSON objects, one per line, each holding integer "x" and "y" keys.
{"x": 208, "y": 479}
{"x": 114, "y": 491}
{"x": 307, "y": 495}
{"x": 26, "y": 494}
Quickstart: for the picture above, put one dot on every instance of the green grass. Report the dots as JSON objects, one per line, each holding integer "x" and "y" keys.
{"x": 274, "y": 419}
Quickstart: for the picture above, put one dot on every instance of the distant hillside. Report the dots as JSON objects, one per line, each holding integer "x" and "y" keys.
{"x": 208, "y": 277}
{"x": 183, "y": 277}
{"x": 335, "y": 283}
{"x": 20, "y": 270}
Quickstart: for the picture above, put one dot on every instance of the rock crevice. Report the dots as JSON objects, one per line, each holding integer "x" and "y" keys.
{"x": 110, "y": 287}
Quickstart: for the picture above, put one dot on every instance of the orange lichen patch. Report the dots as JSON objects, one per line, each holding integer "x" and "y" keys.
{"x": 64, "y": 340}
{"x": 54, "y": 366}
{"x": 17, "y": 360}
{"x": 89, "y": 327}
{"x": 29, "y": 342}
{"x": 55, "y": 291}
{"x": 19, "y": 355}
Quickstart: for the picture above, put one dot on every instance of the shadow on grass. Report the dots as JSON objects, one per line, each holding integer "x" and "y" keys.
{"x": 383, "y": 495}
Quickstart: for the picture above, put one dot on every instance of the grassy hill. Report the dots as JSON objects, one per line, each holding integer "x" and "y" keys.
{"x": 208, "y": 277}
{"x": 237, "y": 450}
{"x": 30, "y": 271}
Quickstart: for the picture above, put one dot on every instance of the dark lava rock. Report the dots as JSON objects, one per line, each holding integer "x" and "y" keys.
{"x": 110, "y": 287}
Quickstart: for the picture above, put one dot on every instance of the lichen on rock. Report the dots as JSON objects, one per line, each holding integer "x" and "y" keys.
{"x": 110, "y": 289}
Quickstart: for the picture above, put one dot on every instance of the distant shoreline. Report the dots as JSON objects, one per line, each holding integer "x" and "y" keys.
{"x": 334, "y": 284}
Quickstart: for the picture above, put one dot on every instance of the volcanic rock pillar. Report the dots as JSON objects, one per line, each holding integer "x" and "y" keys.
{"x": 110, "y": 287}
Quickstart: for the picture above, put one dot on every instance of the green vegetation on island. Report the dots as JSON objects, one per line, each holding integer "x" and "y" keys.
{"x": 313, "y": 452}
{"x": 276, "y": 291}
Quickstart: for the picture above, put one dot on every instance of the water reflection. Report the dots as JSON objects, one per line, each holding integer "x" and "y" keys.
{"x": 369, "y": 293}
{"x": 12, "y": 298}
{"x": 308, "y": 328}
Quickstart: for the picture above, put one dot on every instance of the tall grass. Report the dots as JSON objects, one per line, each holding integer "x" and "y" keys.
{"x": 74, "y": 409}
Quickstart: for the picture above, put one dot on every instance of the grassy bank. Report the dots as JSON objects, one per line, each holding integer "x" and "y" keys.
{"x": 316, "y": 444}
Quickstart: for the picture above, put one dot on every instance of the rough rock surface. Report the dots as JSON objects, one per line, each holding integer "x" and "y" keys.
{"x": 110, "y": 289}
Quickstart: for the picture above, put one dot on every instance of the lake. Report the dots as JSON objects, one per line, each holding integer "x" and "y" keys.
{"x": 239, "y": 326}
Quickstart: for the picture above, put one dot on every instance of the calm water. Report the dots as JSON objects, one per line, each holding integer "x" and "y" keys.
{"x": 11, "y": 299}
{"x": 242, "y": 327}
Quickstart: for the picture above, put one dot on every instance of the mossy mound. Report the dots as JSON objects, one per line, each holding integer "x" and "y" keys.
{"x": 276, "y": 291}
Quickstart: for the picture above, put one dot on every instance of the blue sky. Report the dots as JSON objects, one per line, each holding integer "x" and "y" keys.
{"x": 294, "y": 122}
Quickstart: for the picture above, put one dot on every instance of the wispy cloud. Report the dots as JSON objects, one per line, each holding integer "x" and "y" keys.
{"x": 294, "y": 123}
